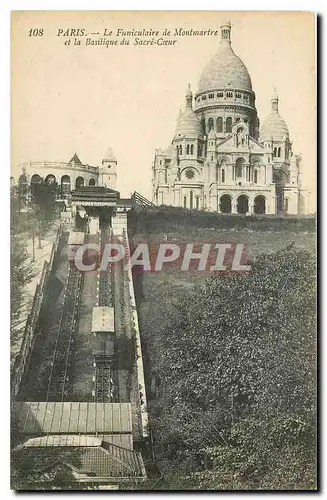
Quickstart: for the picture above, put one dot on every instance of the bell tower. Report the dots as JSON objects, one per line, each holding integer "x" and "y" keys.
{"x": 109, "y": 170}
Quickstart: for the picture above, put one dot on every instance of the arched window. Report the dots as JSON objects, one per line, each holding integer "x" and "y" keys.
{"x": 239, "y": 167}
{"x": 185, "y": 201}
{"x": 278, "y": 152}
{"x": 65, "y": 184}
{"x": 219, "y": 124}
{"x": 197, "y": 201}
{"x": 192, "y": 149}
{"x": 79, "y": 182}
{"x": 210, "y": 124}
{"x": 50, "y": 179}
{"x": 203, "y": 124}
{"x": 275, "y": 151}
{"x": 256, "y": 177}
{"x": 228, "y": 124}
{"x": 92, "y": 182}
{"x": 191, "y": 200}
{"x": 187, "y": 149}
{"x": 223, "y": 175}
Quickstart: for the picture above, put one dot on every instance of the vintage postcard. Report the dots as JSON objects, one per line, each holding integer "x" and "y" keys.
{"x": 163, "y": 251}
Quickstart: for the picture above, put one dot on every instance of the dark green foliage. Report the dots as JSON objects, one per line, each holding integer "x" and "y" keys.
{"x": 235, "y": 365}
{"x": 173, "y": 219}
{"x": 22, "y": 272}
{"x": 43, "y": 200}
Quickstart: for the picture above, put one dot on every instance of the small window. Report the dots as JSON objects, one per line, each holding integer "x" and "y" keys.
{"x": 275, "y": 152}
{"x": 219, "y": 124}
{"x": 286, "y": 204}
{"x": 188, "y": 149}
{"x": 238, "y": 95}
{"x": 211, "y": 96}
{"x": 268, "y": 159}
{"x": 229, "y": 94}
{"x": 278, "y": 152}
{"x": 223, "y": 175}
{"x": 238, "y": 119}
{"x": 192, "y": 148}
{"x": 220, "y": 94}
{"x": 228, "y": 124}
{"x": 204, "y": 97}
{"x": 185, "y": 202}
{"x": 160, "y": 162}
{"x": 245, "y": 120}
{"x": 255, "y": 177}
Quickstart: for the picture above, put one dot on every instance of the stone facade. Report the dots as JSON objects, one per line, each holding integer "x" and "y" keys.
{"x": 70, "y": 175}
{"x": 219, "y": 159}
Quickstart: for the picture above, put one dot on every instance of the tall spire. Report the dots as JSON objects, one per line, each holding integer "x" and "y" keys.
{"x": 189, "y": 97}
{"x": 274, "y": 101}
{"x": 225, "y": 32}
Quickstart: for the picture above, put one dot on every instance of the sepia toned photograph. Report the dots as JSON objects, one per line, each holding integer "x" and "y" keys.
{"x": 163, "y": 259}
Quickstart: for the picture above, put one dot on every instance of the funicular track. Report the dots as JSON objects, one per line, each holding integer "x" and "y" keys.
{"x": 104, "y": 371}
{"x": 105, "y": 285}
{"x": 60, "y": 379}
{"x": 103, "y": 378}
{"x": 123, "y": 327}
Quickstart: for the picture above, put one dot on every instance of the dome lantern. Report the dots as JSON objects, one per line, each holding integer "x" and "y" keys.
{"x": 274, "y": 101}
{"x": 225, "y": 32}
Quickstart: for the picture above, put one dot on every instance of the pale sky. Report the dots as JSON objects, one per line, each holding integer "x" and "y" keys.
{"x": 84, "y": 99}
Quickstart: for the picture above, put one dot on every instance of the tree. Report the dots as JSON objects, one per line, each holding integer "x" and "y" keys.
{"x": 237, "y": 378}
{"x": 22, "y": 272}
{"x": 43, "y": 200}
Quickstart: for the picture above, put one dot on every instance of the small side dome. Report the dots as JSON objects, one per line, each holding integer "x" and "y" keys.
{"x": 188, "y": 124}
{"x": 274, "y": 126}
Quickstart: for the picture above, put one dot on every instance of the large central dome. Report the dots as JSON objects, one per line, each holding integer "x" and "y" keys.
{"x": 225, "y": 69}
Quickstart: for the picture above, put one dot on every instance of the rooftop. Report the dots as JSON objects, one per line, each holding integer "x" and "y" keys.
{"x": 73, "y": 418}
{"x": 103, "y": 319}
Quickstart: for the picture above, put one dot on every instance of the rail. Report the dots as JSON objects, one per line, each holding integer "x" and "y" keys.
{"x": 67, "y": 326}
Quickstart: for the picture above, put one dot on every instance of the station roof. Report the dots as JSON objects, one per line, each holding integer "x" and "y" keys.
{"x": 78, "y": 440}
{"x": 95, "y": 196}
{"x": 76, "y": 238}
{"x": 94, "y": 461}
{"x": 103, "y": 319}
{"x": 73, "y": 418}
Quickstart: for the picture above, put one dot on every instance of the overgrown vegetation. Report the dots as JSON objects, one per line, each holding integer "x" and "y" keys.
{"x": 176, "y": 219}
{"x": 31, "y": 216}
{"x": 231, "y": 366}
